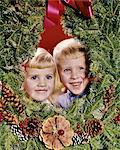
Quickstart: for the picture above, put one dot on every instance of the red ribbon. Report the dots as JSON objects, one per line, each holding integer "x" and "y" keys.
{"x": 84, "y": 6}
{"x": 53, "y": 31}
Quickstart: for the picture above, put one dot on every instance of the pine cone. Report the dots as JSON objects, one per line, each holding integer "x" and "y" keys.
{"x": 10, "y": 119}
{"x": 94, "y": 127}
{"x": 2, "y": 106}
{"x": 8, "y": 96}
{"x": 109, "y": 96}
{"x": 6, "y": 91}
{"x": 1, "y": 116}
{"x": 19, "y": 107}
{"x": 31, "y": 127}
{"x": 17, "y": 131}
{"x": 82, "y": 138}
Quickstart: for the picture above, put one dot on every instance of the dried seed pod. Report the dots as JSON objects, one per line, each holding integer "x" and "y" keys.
{"x": 94, "y": 127}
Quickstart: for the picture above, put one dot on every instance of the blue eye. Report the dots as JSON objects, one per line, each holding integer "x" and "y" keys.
{"x": 67, "y": 70}
{"x": 34, "y": 77}
{"x": 81, "y": 68}
{"x": 49, "y": 77}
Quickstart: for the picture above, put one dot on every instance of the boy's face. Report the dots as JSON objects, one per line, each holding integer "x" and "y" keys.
{"x": 72, "y": 74}
{"x": 39, "y": 83}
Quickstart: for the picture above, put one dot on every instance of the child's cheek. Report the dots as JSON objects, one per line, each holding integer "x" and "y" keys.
{"x": 83, "y": 75}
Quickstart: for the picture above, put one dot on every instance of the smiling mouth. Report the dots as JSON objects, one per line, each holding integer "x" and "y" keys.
{"x": 76, "y": 84}
{"x": 41, "y": 90}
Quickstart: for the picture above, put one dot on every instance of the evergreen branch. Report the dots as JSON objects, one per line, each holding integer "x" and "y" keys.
{"x": 94, "y": 143}
{"x": 29, "y": 143}
{"x": 20, "y": 38}
{"x": 103, "y": 22}
{"x": 106, "y": 133}
{"x": 92, "y": 107}
{"x": 109, "y": 114}
{"x": 98, "y": 55}
{"x": 110, "y": 42}
{"x": 112, "y": 6}
{"x": 102, "y": 84}
{"x": 114, "y": 12}
{"x": 10, "y": 37}
{"x": 36, "y": 146}
{"x": 39, "y": 144}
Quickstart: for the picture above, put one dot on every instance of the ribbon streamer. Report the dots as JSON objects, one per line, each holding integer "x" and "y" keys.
{"x": 53, "y": 31}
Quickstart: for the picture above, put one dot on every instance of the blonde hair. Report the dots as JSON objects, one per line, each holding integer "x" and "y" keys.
{"x": 71, "y": 48}
{"x": 43, "y": 59}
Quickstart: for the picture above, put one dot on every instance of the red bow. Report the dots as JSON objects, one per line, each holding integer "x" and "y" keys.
{"x": 53, "y": 32}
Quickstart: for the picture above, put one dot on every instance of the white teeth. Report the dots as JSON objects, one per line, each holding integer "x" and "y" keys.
{"x": 41, "y": 90}
{"x": 76, "y": 83}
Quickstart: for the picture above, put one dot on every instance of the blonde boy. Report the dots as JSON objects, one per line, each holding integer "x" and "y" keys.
{"x": 73, "y": 67}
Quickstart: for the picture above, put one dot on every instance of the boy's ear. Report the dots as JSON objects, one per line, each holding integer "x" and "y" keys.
{"x": 24, "y": 65}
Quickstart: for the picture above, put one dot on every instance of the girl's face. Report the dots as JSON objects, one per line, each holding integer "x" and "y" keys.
{"x": 72, "y": 74}
{"x": 39, "y": 83}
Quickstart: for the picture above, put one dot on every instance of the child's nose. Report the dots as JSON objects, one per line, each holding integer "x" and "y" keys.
{"x": 41, "y": 82}
{"x": 74, "y": 74}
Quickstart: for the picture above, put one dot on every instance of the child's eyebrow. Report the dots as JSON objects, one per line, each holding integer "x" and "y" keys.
{"x": 50, "y": 74}
{"x": 30, "y": 74}
{"x": 64, "y": 67}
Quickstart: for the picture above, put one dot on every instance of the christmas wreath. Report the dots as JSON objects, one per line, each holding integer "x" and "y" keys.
{"x": 92, "y": 122}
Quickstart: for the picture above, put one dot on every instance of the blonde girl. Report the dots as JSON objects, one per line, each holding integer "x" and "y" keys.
{"x": 40, "y": 77}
